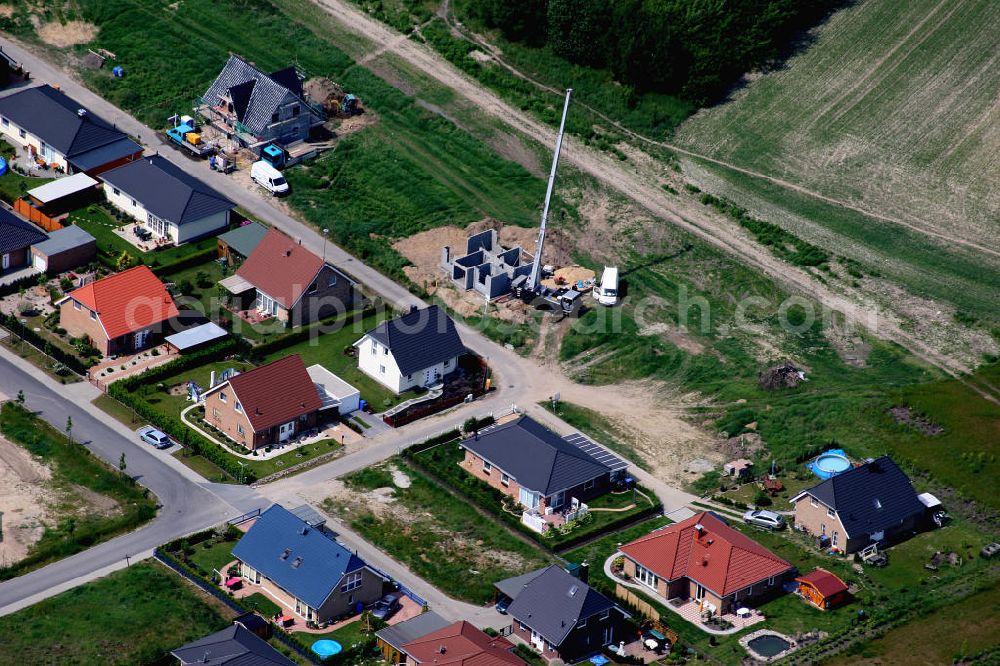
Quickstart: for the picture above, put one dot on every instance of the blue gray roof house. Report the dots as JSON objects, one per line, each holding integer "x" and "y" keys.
{"x": 166, "y": 191}
{"x": 306, "y": 563}
{"x": 420, "y": 339}
{"x": 86, "y": 141}
{"x": 572, "y": 618}
{"x": 232, "y": 646}
{"x": 17, "y": 235}
{"x": 534, "y": 456}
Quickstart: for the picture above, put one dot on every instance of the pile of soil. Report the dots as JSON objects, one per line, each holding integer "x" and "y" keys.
{"x": 906, "y": 416}
{"x": 746, "y": 445}
{"x": 780, "y": 376}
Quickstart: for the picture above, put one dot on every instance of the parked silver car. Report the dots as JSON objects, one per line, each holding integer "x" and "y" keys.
{"x": 762, "y": 518}
{"x": 153, "y": 436}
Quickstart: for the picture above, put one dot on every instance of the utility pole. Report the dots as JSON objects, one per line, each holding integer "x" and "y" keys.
{"x": 325, "y": 232}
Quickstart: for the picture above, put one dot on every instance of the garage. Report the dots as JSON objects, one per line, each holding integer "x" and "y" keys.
{"x": 66, "y": 249}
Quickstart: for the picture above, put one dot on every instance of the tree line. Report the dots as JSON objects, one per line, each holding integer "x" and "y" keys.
{"x": 692, "y": 48}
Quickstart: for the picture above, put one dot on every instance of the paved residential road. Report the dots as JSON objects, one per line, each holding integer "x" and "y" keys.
{"x": 187, "y": 504}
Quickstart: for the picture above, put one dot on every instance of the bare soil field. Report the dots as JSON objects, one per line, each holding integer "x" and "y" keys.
{"x": 67, "y": 34}
{"x": 893, "y": 108}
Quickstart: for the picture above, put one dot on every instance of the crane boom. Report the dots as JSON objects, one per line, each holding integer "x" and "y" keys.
{"x": 536, "y": 268}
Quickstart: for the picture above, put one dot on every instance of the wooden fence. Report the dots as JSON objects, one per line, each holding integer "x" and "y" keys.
{"x": 644, "y": 608}
{"x": 37, "y": 216}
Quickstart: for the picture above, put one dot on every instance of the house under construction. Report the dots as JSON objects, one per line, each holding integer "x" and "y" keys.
{"x": 486, "y": 266}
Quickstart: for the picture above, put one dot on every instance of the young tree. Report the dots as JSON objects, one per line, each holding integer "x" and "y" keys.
{"x": 122, "y": 463}
{"x": 69, "y": 428}
{"x": 125, "y": 260}
{"x": 20, "y": 396}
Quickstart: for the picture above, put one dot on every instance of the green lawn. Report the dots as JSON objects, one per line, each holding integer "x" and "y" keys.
{"x": 14, "y": 185}
{"x": 205, "y": 467}
{"x": 133, "y": 616}
{"x": 441, "y": 538}
{"x": 213, "y": 558}
{"x": 443, "y": 462}
{"x": 327, "y": 349}
{"x": 262, "y": 604}
{"x": 70, "y": 468}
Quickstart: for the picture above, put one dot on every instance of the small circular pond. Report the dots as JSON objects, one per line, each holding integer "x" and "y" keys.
{"x": 768, "y": 645}
{"x": 326, "y": 647}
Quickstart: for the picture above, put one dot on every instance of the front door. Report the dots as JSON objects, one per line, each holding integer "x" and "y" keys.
{"x": 699, "y": 592}
{"x": 6, "y": 261}
{"x": 140, "y": 339}
{"x": 609, "y": 634}
{"x": 286, "y": 430}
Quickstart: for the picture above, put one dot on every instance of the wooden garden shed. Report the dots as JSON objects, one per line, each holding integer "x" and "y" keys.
{"x": 822, "y": 588}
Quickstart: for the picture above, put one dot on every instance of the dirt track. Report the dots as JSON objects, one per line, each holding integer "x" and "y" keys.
{"x": 638, "y": 185}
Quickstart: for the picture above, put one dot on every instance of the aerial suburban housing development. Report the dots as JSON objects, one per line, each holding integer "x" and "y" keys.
{"x": 499, "y": 333}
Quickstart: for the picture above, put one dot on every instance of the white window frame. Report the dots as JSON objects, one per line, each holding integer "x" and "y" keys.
{"x": 504, "y": 479}
{"x": 215, "y": 412}
{"x": 605, "y": 615}
{"x": 116, "y": 191}
{"x": 93, "y": 315}
{"x": 353, "y": 582}
{"x": 222, "y": 396}
{"x": 237, "y": 406}
{"x": 381, "y": 369}
{"x": 76, "y": 305}
{"x": 770, "y": 581}
{"x": 646, "y": 577}
{"x": 813, "y": 501}
{"x": 240, "y": 429}
{"x": 831, "y": 513}
{"x": 487, "y": 467}
{"x": 331, "y": 281}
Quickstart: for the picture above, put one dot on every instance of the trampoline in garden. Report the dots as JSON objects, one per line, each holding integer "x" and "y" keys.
{"x": 830, "y": 463}
{"x": 326, "y": 648}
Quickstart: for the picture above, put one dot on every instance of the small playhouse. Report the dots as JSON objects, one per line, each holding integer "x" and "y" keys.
{"x": 822, "y": 588}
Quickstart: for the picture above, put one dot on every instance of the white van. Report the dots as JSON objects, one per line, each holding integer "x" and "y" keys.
{"x": 268, "y": 177}
{"x": 606, "y": 291}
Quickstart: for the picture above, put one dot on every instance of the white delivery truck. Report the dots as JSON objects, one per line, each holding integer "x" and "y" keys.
{"x": 268, "y": 177}
{"x": 606, "y": 291}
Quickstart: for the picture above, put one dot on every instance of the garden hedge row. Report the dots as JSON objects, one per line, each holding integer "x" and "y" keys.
{"x": 125, "y": 391}
{"x": 305, "y": 332}
{"x": 190, "y": 261}
{"x": 20, "y": 330}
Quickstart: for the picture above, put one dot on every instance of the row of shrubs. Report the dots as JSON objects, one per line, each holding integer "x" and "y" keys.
{"x": 127, "y": 392}
{"x": 432, "y": 458}
{"x": 69, "y": 360}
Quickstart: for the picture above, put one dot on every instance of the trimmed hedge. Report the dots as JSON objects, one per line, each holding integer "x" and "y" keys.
{"x": 190, "y": 261}
{"x": 124, "y": 391}
{"x": 304, "y": 333}
{"x": 490, "y": 499}
{"x": 20, "y": 330}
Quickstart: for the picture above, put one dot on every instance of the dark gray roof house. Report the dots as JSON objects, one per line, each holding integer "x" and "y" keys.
{"x": 558, "y": 608}
{"x": 233, "y": 646}
{"x": 419, "y": 339}
{"x": 17, "y": 235}
{"x": 171, "y": 194}
{"x": 87, "y": 142}
{"x": 537, "y": 458}
{"x": 269, "y": 106}
{"x": 398, "y": 635}
{"x": 871, "y": 501}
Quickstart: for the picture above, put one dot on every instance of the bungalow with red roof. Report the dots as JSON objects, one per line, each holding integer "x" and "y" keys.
{"x": 121, "y": 314}
{"x": 460, "y": 644}
{"x": 287, "y": 281}
{"x": 265, "y": 406}
{"x": 704, "y": 559}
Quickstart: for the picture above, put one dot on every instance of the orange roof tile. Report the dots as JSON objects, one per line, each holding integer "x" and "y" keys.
{"x": 127, "y": 302}
{"x": 462, "y": 644}
{"x": 722, "y": 559}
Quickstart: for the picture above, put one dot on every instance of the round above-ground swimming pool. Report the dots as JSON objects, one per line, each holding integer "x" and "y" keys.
{"x": 326, "y": 647}
{"x": 830, "y": 463}
{"x": 768, "y": 645}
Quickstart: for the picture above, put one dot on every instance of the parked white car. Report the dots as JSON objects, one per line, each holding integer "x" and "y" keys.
{"x": 762, "y": 518}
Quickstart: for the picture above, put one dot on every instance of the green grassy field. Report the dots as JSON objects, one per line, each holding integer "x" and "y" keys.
{"x": 71, "y": 469}
{"x": 441, "y": 538}
{"x": 410, "y": 170}
{"x": 133, "y": 616}
{"x": 869, "y": 114}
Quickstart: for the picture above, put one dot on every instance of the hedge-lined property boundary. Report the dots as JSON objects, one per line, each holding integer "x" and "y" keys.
{"x": 11, "y": 323}
{"x": 124, "y": 391}
{"x": 490, "y": 499}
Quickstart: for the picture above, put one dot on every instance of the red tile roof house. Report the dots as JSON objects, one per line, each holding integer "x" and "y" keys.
{"x": 460, "y": 644}
{"x": 704, "y": 559}
{"x": 121, "y": 314}
{"x": 291, "y": 283}
{"x": 265, "y": 406}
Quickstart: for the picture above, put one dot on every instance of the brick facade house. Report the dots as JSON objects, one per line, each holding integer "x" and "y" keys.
{"x": 704, "y": 559}
{"x": 528, "y": 462}
{"x": 304, "y": 569}
{"x": 560, "y": 616}
{"x": 265, "y": 406}
{"x": 292, "y": 284}
{"x": 871, "y": 503}
{"x": 121, "y": 314}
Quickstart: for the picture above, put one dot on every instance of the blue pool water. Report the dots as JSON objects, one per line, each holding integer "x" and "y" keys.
{"x": 326, "y": 647}
{"x": 830, "y": 463}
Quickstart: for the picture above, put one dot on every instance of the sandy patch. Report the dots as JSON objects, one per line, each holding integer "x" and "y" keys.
{"x": 69, "y": 34}
{"x": 25, "y": 500}
{"x": 400, "y": 479}
{"x": 6, "y": 11}
{"x": 672, "y": 334}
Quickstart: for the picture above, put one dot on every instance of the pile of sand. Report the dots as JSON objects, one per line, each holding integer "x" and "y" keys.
{"x": 67, "y": 34}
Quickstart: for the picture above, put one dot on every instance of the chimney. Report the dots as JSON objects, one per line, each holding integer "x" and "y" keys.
{"x": 304, "y": 530}
{"x": 700, "y": 529}
{"x": 413, "y": 308}
{"x": 442, "y": 649}
{"x": 211, "y": 380}
{"x": 445, "y": 255}
{"x": 288, "y": 253}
